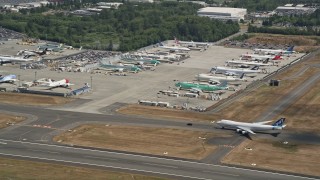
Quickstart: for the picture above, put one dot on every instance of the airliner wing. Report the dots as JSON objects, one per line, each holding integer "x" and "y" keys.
{"x": 263, "y": 122}
{"x": 246, "y": 129}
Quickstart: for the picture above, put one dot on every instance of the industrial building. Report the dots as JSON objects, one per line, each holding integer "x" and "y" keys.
{"x": 223, "y": 13}
{"x": 289, "y": 9}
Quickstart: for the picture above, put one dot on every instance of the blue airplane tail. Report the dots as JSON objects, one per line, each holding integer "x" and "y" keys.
{"x": 223, "y": 84}
{"x": 290, "y": 48}
{"x": 280, "y": 122}
{"x": 242, "y": 75}
{"x": 160, "y": 43}
{"x": 255, "y": 68}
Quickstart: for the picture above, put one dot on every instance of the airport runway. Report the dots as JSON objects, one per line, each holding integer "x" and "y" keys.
{"x": 28, "y": 140}
{"x": 144, "y": 164}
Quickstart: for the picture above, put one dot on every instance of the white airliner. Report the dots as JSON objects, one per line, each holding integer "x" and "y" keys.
{"x": 174, "y": 48}
{"x": 232, "y": 62}
{"x": 275, "y": 51}
{"x": 190, "y": 43}
{"x": 29, "y": 53}
{"x": 13, "y": 59}
{"x": 256, "y": 57}
{"x": 54, "y": 84}
{"x": 212, "y": 78}
{"x": 231, "y": 71}
{"x": 8, "y": 78}
{"x": 245, "y": 128}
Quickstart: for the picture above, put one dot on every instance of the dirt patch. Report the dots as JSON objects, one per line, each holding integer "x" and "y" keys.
{"x": 157, "y": 141}
{"x": 295, "y": 158}
{"x": 285, "y": 39}
{"x": 21, "y": 170}
{"x": 150, "y": 111}
{"x": 7, "y": 120}
{"x": 32, "y": 99}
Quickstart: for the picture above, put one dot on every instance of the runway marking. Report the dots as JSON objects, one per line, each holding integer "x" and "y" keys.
{"x": 52, "y": 152}
{"x": 214, "y": 172}
{"x": 151, "y": 157}
{"x": 154, "y": 164}
{"x": 95, "y": 157}
{"x": 3, "y": 143}
{"x": 99, "y": 165}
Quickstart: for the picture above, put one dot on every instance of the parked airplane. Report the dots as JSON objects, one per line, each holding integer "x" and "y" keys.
{"x": 245, "y": 128}
{"x": 65, "y": 83}
{"x": 8, "y": 79}
{"x": 212, "y": 78}
{"x": 230, "y": 71}
{"x": 201, "y": 87}
{"x": 13, "y": 59}
{"x": 142, "y": 61}
{"x": 275, "y": 51}
{"x": 120, "y": 68}
{"x": 264, "y": 63}
{"x": 256, "y": 57}
{"x": 190, "y": 43}
{"x": 174, "y": 48}
{"x": 29, "y": 53}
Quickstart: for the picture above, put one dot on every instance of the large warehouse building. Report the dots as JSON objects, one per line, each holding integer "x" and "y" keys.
{"x": 223, "y": 13}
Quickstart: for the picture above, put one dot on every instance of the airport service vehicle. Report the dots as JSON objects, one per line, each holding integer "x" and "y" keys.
{"x": 174, "y": 48}
{"x": 201, "y": 87}
{"x": 231, "y": 71}
{"x": 245, "y": 128}
{"x": 275, "y": 51}
{"x": 8, "y": 78}
{"x": 213, "y": 78}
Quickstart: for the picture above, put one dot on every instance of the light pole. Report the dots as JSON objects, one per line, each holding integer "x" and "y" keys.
{"x": 35, "y": 76}
{"x": 91, "y": 82}
{"x": 19, "y": 79}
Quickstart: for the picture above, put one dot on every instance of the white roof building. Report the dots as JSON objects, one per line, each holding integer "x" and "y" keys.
{"x": 223, "y": 13}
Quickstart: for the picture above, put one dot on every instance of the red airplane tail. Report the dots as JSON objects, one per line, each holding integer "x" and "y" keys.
{"x": 277, "y": 57}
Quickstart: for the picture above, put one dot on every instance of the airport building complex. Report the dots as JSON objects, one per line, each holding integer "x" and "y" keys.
{"x": 223, "y": 13}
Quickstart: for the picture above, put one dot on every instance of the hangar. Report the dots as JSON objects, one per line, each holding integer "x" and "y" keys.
{"x": 223, "y": 13}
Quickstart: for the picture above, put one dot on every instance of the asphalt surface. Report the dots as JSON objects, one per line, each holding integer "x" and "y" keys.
{"x": 160, "y": 166}
{"x": 32, "y": 139}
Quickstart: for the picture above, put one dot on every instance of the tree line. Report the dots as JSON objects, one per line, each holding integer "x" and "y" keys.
{"x": 130, "y": 27}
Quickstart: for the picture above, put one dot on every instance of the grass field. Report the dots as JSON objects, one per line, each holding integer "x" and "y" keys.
{"x": 32, "y": 99}
{"x": 24, "y": 170}
{"x": 7, "y": 119}
{"x": 147, "y": 140}
{"x": 295, "y": 158}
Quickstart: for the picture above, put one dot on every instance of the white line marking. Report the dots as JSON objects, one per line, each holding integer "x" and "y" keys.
{"x": 214, "y": 172}
{"x": 52, "y": 152}
{"x": 174, "y": 160}
{"x": 95, "y": 157}
{"x": 153, "y": 164}
{"x": 3, "y": 143}
{"x": 115, "y": 167}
